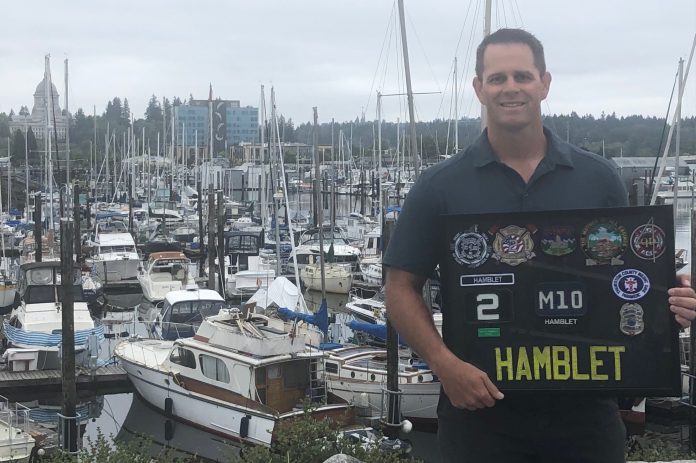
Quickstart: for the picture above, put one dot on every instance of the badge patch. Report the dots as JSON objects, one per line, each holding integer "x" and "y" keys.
{"x": 470, "y": 248}
{"x": 631, "y": 322}
{"x": 558, "y": 240}
{"x": 648, "y": 241}
{"x": 630, "y": 284}
{"x": 560, "y": 299}
{"x": 487, "y": 280}
{"x": 604, "y": 242}
{"x": 513, "y": 245}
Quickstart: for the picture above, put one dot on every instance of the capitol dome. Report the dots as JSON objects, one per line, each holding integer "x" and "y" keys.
{"x": 41, "y": 88}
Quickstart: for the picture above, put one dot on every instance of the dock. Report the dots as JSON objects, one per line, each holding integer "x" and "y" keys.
{"x": 110, "y": 378}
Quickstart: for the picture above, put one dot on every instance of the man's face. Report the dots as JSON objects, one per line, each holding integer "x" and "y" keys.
{"x": 511, "y": 88}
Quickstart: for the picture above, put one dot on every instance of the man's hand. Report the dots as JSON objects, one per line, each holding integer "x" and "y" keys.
{"x": 468, "y": 387}
{"x": 682, "y": 301}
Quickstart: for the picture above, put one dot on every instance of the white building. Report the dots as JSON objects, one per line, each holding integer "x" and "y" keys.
{"x": 37, "y": 119}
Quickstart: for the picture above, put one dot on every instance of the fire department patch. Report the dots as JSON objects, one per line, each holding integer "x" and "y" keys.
{"x": 513, "y": 245}
{"x": 558, "y": 240}
{"x": 470, "y": 248}
{"x": 603, "y": 242}
{"x": 630, "y": 284}
{"x": 631, "y": 322}
{"x": 648, "y": 241}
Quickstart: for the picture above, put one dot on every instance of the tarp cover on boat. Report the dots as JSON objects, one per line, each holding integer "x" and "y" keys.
{"x": 281, "y": 292}
{"x": 18, "y": 337}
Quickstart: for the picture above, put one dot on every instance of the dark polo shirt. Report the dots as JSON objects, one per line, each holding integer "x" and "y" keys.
{"x": 475, "y": 181}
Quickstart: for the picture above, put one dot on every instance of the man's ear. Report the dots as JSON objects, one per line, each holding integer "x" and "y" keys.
{"x": 546, "y": 81}
{"x": 477, "y": 84}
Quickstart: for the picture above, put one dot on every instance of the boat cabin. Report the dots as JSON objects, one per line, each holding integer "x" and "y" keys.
{"x": 183, "y": 311}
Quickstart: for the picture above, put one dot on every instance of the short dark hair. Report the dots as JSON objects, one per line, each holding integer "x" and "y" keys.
{"x": 512, "y": 36}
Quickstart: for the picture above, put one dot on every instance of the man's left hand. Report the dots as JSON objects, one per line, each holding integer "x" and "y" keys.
{"x": 682, "y": 301}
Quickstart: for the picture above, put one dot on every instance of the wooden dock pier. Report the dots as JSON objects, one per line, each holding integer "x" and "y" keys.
{"x": 110, "y": 378}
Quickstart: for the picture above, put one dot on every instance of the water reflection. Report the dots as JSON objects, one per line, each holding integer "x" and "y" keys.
{"x": 164, "y": 433}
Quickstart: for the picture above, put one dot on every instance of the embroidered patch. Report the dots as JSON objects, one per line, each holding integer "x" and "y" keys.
{"x": 470, "y": 248}
{"x": 630, "y": 284}
{"x": 558, "y": 240}
{"x": 631, "y": 322}
{"x": 604, "y": 242}
{"x": 513, "y": 245}
{"x": 648, "y": 241}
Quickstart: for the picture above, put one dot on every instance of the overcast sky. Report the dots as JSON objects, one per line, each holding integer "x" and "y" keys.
{"x": 614, "y": 56}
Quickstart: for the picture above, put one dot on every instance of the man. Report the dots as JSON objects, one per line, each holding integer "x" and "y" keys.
{"x": 515, "y": 165}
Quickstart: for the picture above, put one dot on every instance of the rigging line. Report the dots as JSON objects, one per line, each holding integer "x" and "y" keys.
{"x": 519, "y": 14}
{"x": 470, "y": 55}
{"x": 461, "y": 32}
{"x": 379, "y": 60}
{"x": 505, "y": 21}
{"x": 662, "y": 136}
{"x": 386, "y": 62}
{"x": 420, "y": 43}
{"x": 497, "y": 15}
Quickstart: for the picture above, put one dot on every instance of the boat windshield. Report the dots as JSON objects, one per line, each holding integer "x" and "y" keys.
{"x": 50, "y": 293}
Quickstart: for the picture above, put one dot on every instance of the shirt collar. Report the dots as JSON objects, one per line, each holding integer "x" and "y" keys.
{"x": 558, "y": 152}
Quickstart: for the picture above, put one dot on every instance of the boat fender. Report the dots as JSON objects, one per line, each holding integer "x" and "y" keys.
{"x": 168, "y": 406}
{"x": 244, "y": 426}
{"x": 168, "y": 430}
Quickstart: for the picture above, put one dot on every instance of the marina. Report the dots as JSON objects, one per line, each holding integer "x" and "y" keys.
{"x": 208, "y": 282}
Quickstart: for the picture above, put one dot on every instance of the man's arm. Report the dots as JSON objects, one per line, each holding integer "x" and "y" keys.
{"x": 465, "y": 385}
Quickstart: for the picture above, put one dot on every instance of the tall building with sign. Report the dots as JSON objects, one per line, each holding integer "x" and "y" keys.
{"x": 232, "y": 123}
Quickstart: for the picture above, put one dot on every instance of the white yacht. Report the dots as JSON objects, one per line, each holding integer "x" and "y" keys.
{"x": 33, "y": 331}
{"x": 114, "y": 257}
{"x": 164, "y": 272}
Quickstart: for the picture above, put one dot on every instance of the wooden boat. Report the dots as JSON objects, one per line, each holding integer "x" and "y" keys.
{"x": 236, "y": 377}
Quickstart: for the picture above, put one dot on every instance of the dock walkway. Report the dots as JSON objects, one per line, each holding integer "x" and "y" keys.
{"x": 110, "y": 378}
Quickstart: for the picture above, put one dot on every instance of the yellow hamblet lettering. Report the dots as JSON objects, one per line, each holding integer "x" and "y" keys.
{"x": 557, "y": 363}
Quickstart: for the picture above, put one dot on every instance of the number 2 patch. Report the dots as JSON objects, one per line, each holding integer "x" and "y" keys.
{"x": 491, "y": 306}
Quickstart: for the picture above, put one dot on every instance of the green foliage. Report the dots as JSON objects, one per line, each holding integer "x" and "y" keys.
{"x": 310, "y": 441}
{"x": 645, "y": 449}
{"x": 133, "y": 451}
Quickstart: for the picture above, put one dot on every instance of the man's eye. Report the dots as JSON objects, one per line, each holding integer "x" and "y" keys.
{"x": 523, "y": 77}
{"x": 496, "y": 79}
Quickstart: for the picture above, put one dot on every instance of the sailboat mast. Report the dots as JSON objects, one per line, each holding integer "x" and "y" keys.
{"x": 320, "y": 210}
{"x": 677, "y": 143}
{"x": 49, "y": 162}
{"x": 67, "y": 132}
{"x": 456, "y": 108}
{"x": 486, "y": 33}
{"x": 262, "y": 186}
{"x": 409, "y": 92}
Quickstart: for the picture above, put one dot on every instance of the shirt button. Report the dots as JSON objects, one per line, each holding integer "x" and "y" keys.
{"x": 525, "y": 195}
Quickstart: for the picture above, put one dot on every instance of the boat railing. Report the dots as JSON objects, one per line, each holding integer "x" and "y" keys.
{"x": 14, "y": 416}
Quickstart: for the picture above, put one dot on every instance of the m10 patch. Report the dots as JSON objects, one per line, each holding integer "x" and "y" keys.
{"x": 560, "y": 299}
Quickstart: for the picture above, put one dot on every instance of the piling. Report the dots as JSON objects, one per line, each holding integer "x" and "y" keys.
{"x": 200, "y": 230}
{"x": 211, "y": 238}
{"x": 692, "y": 347}
{"x": 37, "y": 227}
{"x": 221, "y": 240}
{"x": 392, "y": 423}
{"x": 76, "y": 218}
{"x": 69, "y": 388}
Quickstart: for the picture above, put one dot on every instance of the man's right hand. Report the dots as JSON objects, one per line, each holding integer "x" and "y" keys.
{"x": 466, "y": 386}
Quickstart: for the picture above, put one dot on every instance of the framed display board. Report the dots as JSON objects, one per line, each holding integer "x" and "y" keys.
{"x": 571, "y": 300}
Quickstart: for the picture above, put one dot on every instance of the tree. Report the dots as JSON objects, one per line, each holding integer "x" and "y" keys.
{"x": 33, "y": 153}
{"x": 125, "y": 112}
{"x": 18, "y": 148}
{"x": 153, "y": 113}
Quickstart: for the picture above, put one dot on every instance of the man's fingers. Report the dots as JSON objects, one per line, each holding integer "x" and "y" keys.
{"x": 492, "y": 389}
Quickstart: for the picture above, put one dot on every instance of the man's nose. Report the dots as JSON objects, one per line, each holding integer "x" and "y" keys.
{"x": 511, "y": 85}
